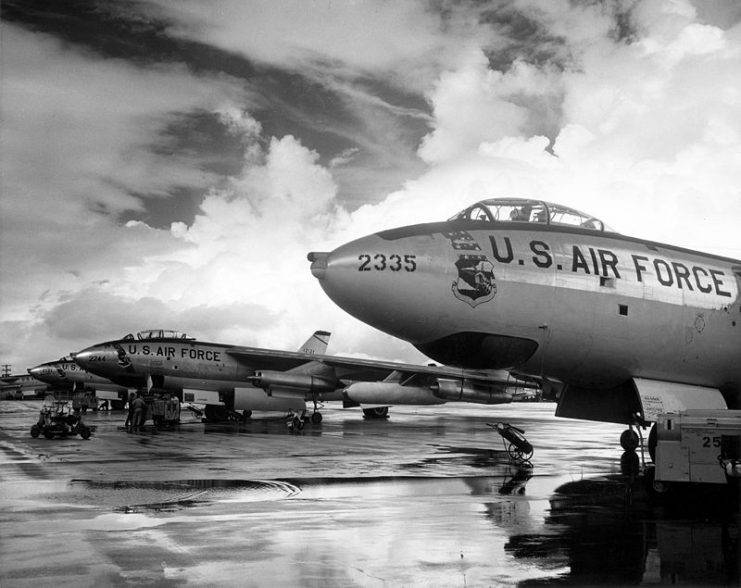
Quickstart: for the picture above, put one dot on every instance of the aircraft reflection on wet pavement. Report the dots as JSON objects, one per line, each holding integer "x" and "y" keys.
{"x": 619, "y": 329}
{"x": 435, "y": 502}
{"x": 606, "y": 533}
{"x": 230, "y": 378}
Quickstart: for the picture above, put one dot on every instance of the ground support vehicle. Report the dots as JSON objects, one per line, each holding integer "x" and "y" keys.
{"x": 702, "y": 446}
{"x": 57, "y": 420}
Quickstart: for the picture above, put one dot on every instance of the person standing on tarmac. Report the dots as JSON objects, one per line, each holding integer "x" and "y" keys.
{"x": 138, "y": 416}
{"x": 130, "y": 413}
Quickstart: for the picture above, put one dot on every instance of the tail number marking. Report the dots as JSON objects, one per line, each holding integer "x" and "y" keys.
{"x": 380, "y": 262}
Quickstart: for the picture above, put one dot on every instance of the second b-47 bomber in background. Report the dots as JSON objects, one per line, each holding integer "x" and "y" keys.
{"x": 233, "y": 380}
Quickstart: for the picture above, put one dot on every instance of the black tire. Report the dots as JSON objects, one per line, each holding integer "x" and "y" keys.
{"x": 378, "y": 412}
{"x": 48, "y": 434}
{"x": 215, "y": 413}
{"x": 656, "y": 491}
{"x": 246, "y": 414}
{"x": 316, "y": 418}
{"x": 629, "y": 440}
{"x": 35, "y": 431}
{"x": 85, "y": 433}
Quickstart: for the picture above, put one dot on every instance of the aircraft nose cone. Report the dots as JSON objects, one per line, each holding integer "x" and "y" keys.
{"x": 381, "y": 280}
{"x": 318, "y": 261}
{"x": 36, "y": 371}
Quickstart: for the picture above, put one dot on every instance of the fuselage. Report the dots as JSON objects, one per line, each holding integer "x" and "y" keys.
{"x": 197, "y": 371}
{"x": 573, "y": 302}
{"x": 166, "y": 362}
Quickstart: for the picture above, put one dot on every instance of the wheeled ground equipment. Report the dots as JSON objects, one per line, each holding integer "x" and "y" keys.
{"x": 57, "y": 420}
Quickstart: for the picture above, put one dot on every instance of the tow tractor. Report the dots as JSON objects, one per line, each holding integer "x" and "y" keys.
{"x": 57, "y": 419}
{"x": 702, "y": 446}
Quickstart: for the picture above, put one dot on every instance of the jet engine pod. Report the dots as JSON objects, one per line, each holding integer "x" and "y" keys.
{"x": 388, "y": 393}
{"x": 467, "y": 391}
{"x": 267, "y": 379}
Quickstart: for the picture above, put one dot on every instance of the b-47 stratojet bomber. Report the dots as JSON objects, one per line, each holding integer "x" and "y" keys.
{"x": 229, "y": 378}
{"x": 65, "y": 372}
{"x": 619, "y": 329}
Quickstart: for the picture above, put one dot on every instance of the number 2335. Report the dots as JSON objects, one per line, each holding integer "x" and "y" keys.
{"x": 381, "y": 262}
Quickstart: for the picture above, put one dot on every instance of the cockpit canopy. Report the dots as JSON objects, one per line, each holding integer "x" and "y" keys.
{"x": 157, "y": 334}
{"x": 523, "y": 210}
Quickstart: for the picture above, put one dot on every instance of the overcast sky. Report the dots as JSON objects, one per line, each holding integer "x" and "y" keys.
{"x": 169, "y": 164}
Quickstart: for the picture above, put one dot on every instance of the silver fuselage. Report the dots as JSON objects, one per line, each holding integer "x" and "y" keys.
{"x": 588, "y": 308}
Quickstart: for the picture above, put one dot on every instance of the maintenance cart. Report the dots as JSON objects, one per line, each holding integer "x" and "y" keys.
{"x": 57, "y": 419}
{"x": 701, "y": 446}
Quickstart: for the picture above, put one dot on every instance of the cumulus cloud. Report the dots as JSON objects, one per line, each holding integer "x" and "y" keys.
{"x": 80, "y": 146}
{"x": 636, "y": 119}
{"x": 405, "y": 41}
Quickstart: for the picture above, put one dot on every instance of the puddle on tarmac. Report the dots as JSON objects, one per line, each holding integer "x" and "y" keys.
{"x": 124, "y": 496}
{"x": 138, "y": 497}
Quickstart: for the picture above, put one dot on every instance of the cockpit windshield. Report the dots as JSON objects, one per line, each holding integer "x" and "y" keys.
{"x": 157, "y": 334}
{"x": 523, "y": 210}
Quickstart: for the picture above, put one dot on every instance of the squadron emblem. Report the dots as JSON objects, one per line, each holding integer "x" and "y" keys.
{"x": 475, "y": 283}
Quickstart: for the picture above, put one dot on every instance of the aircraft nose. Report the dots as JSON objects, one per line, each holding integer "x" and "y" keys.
{"x": 36, "y": 371}
{"x": 95, "y": 358}
{"x": 380, "y": 280}
{"x": 318, "y": 261}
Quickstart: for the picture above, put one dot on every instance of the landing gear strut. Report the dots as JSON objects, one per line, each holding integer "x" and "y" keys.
{"x": 316, "y": 416}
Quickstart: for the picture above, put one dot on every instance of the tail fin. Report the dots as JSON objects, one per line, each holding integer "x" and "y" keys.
{"x": 316, "y": 344}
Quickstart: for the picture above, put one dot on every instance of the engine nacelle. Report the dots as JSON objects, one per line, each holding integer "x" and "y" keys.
{"x": 389, "y": 393}
{"x": 267, "y": 379}
{"x": 466, "y": 391}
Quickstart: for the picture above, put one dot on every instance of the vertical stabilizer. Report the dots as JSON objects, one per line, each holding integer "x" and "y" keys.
{"x": 316, "y": 344}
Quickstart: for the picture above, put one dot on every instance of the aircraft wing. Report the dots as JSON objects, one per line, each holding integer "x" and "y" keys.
{"x": 349, "y": 368}
{"x": 272, "y": 359}
{"x": 355, "y": 369}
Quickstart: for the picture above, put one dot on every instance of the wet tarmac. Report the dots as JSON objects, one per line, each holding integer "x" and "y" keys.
{"x": 426, "y": 498}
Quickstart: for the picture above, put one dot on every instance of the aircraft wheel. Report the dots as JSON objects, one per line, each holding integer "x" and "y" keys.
{"x": 85, "y": 433}
{"x": 35, "y": 431}
{"x": 215, "y": 413}
{"x": 48, "y": 434}
{"x": 629, "y": 440}
{"x": 376, "y": 413}
{"x": 656, "y": 490}
{"x": 653, "y": 439}
{"x": 246, "y": 414}
{"x": 316, "y": 418}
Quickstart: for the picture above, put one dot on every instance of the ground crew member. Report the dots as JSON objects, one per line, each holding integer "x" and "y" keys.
{"x": 130, "y": 413}
{"x": 137, "y": 419}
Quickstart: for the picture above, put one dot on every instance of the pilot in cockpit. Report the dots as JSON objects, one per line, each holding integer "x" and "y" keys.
{"x": 521, "y": 214}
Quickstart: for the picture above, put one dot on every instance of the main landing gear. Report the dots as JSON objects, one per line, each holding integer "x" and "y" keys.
{"x": 630, "y": 440}
{"x": 316, "y": 416}
{"x": 379, "y": 412}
